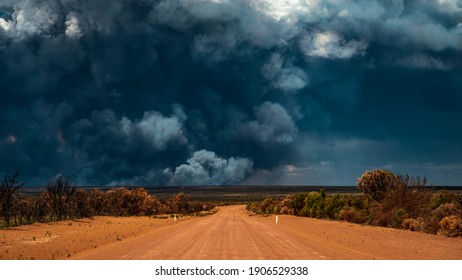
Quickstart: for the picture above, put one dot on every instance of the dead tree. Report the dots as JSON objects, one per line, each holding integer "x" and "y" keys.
{"x": 9, "y": 192}
{"x": 60, "y": 194}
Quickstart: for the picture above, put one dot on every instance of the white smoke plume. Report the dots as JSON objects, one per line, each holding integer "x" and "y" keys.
{"x": 206, "y": 168}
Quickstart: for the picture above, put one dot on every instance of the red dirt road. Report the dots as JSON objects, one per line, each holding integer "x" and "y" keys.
{"x": 233, "y": 234}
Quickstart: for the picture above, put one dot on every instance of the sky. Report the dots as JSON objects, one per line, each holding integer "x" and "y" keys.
{"x": 218, "y": 92}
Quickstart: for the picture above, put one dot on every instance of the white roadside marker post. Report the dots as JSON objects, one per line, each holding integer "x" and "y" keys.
{"x": 174, "y": 218}
{"x": 277, "y": 218}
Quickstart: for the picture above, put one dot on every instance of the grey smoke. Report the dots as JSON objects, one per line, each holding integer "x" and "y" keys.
{"x": 272, "y": 125}
{"x": 283, "y": 75}
{"x": 150, "y": 134}
{"x": 205, "y": 167}
{"x": 331, "y": 45}
{"x": 227, "y": 91}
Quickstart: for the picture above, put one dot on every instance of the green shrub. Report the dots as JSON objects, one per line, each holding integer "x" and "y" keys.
{"x": 444, "y": 197}
{"x": 398, "y": 217}
{"x": 298, "y": 202}
{"x": 333, "y": 205}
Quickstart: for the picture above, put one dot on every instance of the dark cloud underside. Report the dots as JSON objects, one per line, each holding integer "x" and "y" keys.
{"x": 224, "y": 92}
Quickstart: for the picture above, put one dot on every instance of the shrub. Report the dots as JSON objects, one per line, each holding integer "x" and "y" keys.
{"x": 139, "y": 202}
{"x": 333, "y": 205}
{"x": 174, "y": 204}
{"x": 267, "y": 206}
{"x": 405, "y": 197}
{"x": 451, "y": 226}
{"x": 97, "y": 202}
{"x": 359, "y": 202}
{"x": 41, "y": 209}
{"x": 115, "y": 202}
{"x": 445, "y": 197}
{"x": 411, "y": 194}
{"x": 314, "y": 204}
{"x": 270, "y": 206}
{"x": 376, "y": 183}
{"x": 398, "y": 216}
{"x": 286, "y": 206}
{"x": 447, "y": 209}
{"x": 62, "y": 200}
{"x": 81, "y": 203}
{"x": 430, "y": 224}
{"x": 352, "y": 215}
{"x": 25, "y": 210}
{"x": 387, "y": 216}
{"x": 413, "y": 224}
{"x": 347, "y": 214}
{"x": 298, "y": 202}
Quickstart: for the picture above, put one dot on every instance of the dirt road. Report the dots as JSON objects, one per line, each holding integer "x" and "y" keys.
{"x": 233, "y": 234}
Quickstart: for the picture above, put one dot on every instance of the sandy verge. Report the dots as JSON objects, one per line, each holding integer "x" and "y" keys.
{"x": 62, "y": 240}
{"x": 343, "y": 240}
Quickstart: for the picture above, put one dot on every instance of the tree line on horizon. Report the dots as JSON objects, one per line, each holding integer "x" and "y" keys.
{"x": 62, "y": 200}
{"x": 386, "y": 199}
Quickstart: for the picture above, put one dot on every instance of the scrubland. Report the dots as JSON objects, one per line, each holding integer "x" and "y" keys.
{"x": 387, "y": 200}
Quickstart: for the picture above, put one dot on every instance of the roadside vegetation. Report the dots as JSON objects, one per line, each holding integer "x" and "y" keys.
{"x": 388, "y": 200}
{"x": 63, "y": 201}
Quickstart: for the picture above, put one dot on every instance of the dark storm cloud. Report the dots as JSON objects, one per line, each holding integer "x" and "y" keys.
{"x": 229, "y": 91}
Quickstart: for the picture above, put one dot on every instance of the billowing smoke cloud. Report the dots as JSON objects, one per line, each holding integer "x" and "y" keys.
{"x": 72, "y": 26}
{"x": 205, "y": 167}
{"x": 34, "y": 18}
{"x": 287, "y": 78}
{"x": 331, "y": 45}
{"x": 226, "y": 91}
{"x": 273, "y": 125}
{"x": 151, "y": 134}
